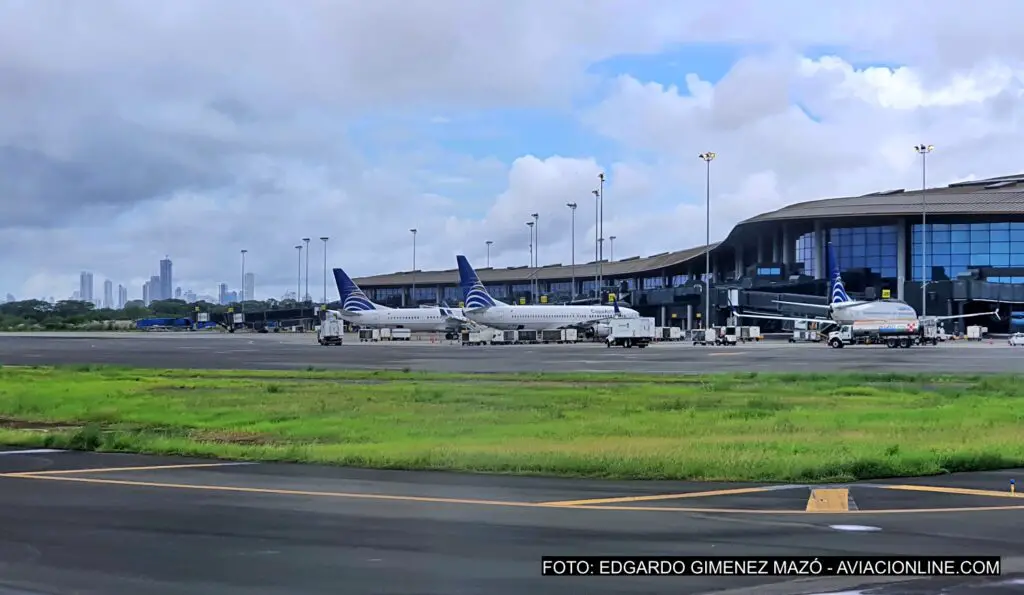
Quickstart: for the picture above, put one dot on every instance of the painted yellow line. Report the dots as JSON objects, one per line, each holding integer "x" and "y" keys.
{"x": 658, "y": 497}
{"x": 217, "y": 488}
{"x": 960, "y": 491}
{"x": 117, "y": 469}
{"x": 829, "y": 500}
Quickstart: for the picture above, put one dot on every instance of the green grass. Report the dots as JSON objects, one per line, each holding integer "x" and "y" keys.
{"x": 764, "y": 427}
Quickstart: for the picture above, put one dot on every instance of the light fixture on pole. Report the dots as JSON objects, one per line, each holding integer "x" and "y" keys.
{"x": 488, "y": 242}
{"x": 298, "y": 282}
{"x": 597, "y": 235}
{"x": 241, "y": 294}
{"x": 536, "y": 255}
{"x": 923, "y": 150}
{"x": 306, "y": 297}
{"x": 611, "y": 249}
{"x": 600, "y": 241}
{"x": 708, "y": 158}
{"x": 530, "y": 224}
{"x": 573, "y": 206}
{"x": 324, "y": 240}
{"x": 413, "y": 295}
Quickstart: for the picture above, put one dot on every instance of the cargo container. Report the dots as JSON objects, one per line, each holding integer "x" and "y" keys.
{"x": 627, "y": 332}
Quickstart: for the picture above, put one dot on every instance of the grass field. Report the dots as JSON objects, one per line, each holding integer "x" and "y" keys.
{"x": 779, "y": 427}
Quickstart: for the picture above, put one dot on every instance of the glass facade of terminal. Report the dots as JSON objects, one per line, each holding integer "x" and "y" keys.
{"x": 872, "y": 248}
{"x": 954, "y": 248}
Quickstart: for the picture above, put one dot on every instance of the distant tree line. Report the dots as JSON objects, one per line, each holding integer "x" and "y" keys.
{"x": 27, "y": 315}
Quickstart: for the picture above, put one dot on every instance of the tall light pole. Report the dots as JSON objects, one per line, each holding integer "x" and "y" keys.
{"x": 708, "y": 157}
{"x": 597, "y": 235}
{"x": 298, "y": 282}
{"x": 488, "y": 242}
{"x": 600, "y": 241}
{"x": 572, "y": 206}
{"x": 413, "y": 296}
{"x": 530, "y": 224}
{"x": 536, "y": 254}
{"x": 306, "y": 242}
{"x": 923, "y": 150}
{"x": 242, "y": 294}
{"x": 324, "y": 240}
{"x": 611, "y": 250}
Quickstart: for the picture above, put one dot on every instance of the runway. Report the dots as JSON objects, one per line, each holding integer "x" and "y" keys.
{"x": 299, "y": 351}
{"x": 104, "y": 523}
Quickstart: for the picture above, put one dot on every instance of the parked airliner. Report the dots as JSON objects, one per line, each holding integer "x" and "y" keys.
{"x": 843, "y": 310}
{"x": 358, "y": 310}
{"x": 484, "y": 309}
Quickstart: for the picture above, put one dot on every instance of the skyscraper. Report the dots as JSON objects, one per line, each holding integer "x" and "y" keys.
{"x": 249, "y": 291}
{"x": 165, "y": 284}
{"x": 122, "y": 296}
{"x": 146, "y": 289}
{"x": 222, "y": 294}
{"x": 85, "y": 286}
{"x": 108, "y": 294}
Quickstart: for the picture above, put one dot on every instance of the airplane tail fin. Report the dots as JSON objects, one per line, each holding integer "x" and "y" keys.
{"x": 837, "y": 290}
{"x": 352, "y": 298}
{"x": 473, "y": 291}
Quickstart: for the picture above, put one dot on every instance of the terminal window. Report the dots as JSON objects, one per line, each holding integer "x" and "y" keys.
{"x": 950, "y": 249}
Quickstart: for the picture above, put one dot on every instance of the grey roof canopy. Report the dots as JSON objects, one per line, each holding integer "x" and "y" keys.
{"x": 993, "y": 196}
{"x": 627, "y": 266}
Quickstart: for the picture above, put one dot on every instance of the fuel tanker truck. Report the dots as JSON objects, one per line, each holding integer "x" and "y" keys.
{"x": 894, "y": 333}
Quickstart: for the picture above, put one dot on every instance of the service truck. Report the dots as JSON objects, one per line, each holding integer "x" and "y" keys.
{"x": 628, "y": 332}
{"x": 895, "y": 333}
{"x": 477, "y": 336}
{"x": 332, "y": 329}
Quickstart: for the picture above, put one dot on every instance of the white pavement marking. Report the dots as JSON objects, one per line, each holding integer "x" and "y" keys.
{"x": 32, "y": 451}
{"x": 855, "y": 528}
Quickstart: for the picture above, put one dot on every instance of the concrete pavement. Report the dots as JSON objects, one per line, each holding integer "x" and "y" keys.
{"x": 87, "y": 522}
{"x": 298, "y": 351}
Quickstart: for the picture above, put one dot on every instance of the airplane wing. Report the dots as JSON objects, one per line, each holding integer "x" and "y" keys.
{"x": 994, "y": 313}
{"x": 786, "y": 318}
{"x": 351, "y": 312}
{"x": 804, "y": 305}
{"x": 587, "y": 323}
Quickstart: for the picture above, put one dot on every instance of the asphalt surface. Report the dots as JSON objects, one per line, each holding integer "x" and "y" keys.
{"x": 173, "y": 527}
{"x": 298, "y": 351}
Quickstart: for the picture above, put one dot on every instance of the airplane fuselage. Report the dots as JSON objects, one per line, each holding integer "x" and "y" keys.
{"x": 417, "y": 320}
{"x": 850, "y": 312}
{"x": 540, "y": 318}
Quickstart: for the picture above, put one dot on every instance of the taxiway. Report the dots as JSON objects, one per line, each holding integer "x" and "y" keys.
{"x": 298, "y": 351}
{"x": 87, "y": 522}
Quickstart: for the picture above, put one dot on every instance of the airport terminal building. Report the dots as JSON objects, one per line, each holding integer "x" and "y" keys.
{"x": 973, "y": 242}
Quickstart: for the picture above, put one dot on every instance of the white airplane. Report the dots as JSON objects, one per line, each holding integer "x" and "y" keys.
{"x": 484, "y": 309}
{"x": 358, "y": 310}
{"x": 843, "y": 310}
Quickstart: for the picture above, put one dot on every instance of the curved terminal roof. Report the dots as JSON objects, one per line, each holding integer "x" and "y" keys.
{"x": 627, "y": 266}
{"x": 992, "y": 196}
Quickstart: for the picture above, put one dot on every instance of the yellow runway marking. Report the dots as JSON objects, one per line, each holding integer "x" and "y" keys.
{"x": 340, "y": 495}
{"x": 117, "y": 469}
{"x": 658, "y": 497}
{"x": 960, "y": 491}
{"x": 438, "y": 500}
{"x": 829, "y": 500}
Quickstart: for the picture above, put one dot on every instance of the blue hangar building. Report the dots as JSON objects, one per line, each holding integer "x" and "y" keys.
{"x": 973, "y": 242}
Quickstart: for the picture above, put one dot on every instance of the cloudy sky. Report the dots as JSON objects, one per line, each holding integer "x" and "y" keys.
{"x": 131, "y": 130}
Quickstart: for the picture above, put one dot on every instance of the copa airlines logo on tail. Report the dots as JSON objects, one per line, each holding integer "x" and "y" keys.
{"x": 356, "y": 301}
{"x": 839, "y": 291}
{"x": 477, "y": 297}
{"x": 352, "y": 298}
{"x": 473, "y": 290}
